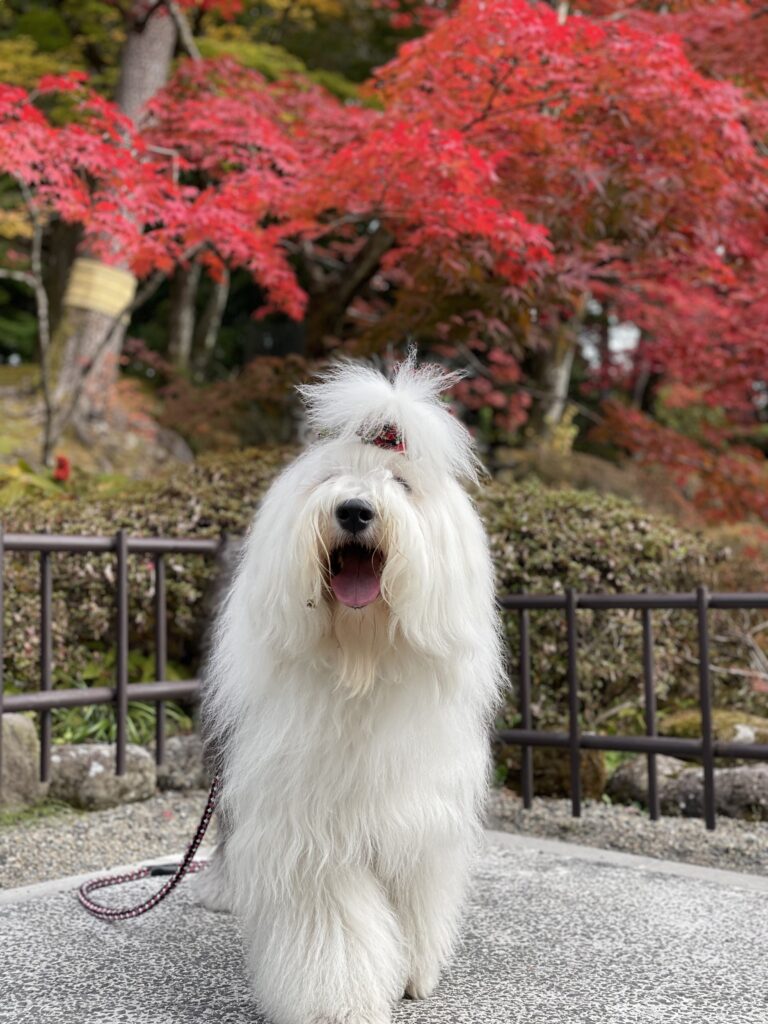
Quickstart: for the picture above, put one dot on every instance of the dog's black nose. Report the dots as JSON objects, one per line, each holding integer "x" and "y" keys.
{"x": 354, "y": 515}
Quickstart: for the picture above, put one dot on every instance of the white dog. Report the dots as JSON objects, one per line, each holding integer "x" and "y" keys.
{"x": 355, "y": 669}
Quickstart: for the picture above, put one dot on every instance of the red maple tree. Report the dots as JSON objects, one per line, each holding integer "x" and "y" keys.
{"x": 513, "y": 179}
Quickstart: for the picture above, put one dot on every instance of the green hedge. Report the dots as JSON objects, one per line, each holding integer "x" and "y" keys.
{"x": 545, "y": 540}
{"x": 542, "y": 540}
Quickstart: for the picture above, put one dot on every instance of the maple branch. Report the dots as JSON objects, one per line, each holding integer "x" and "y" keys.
{"x": 186, "y": 37}
{"x": 496, "y": 86}
{"x": 472, "y": 359}
{"x": 142, "y": 22}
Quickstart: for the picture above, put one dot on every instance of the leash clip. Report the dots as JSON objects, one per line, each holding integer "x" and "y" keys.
{"x": 155, "y": 870}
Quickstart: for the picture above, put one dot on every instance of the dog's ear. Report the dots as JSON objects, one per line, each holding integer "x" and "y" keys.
{"x": 438, "y": 579}
{"x": 279, "y": 575}
{"x": 353, "y": 401}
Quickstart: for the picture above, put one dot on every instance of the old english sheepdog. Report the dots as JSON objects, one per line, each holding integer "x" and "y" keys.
{"x": 355, "y": 668}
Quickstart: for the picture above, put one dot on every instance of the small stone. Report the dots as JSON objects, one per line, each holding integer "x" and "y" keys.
{"x": 183, "y": 767}
{"x": 740, "y": 792}
{"x": 629, "y": 783}
{"x": 84, "y": 776}
{"x": 552, "y": 770}
{"x": 20, "y": 784}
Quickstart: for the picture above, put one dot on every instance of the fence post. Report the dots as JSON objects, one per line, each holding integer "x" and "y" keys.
{"x": 650, "y": 712}
{"x": 526, "y": 764}
{"x": 705, "y": 699}
{"x": 121, "y": 691}
{"x": 45, "y": 662}
{"x": 161, "y": 653}
{"x": 574, "y": 732}
{"x": 2, "y": 648}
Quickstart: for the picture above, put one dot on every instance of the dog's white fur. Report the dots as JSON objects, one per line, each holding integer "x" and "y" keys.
{"x": 353, "y": 743}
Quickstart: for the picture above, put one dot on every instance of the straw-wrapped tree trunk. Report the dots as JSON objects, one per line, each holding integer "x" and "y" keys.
{"x": 86, "y": 349}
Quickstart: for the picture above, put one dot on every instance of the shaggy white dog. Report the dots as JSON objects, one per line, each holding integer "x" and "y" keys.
{"x": 355, "y": 669}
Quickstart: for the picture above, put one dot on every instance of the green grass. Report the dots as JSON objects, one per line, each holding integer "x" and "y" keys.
{"x": 11, "y": 817}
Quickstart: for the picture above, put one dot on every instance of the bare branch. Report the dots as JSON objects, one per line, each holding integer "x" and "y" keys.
{"x": 186, "y": 38}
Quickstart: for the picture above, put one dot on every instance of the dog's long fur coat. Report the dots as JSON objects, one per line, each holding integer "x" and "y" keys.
{"x": 353, "y": 679}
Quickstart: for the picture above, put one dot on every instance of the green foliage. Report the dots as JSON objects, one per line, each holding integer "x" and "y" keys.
{"x": 544, "y": 541}
{"x": 96, "y": 723}
{"x": 46, "y": 27}
{"x": 201, "y": 501}
{"x": 271, "y": 61}
{"x": 23, "y": 63}
{"x": 275, "y": 63}
{"x": 20, "y": 481}
{"x": 12, "y": 817}
{"x": 39, "y": 39}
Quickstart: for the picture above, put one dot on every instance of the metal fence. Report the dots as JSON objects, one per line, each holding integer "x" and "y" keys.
{"x": 44, "y": 701}
{"x": 706, "y": 748}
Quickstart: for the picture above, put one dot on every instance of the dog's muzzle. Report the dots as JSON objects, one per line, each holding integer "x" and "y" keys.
{"x": 355, "y": 569}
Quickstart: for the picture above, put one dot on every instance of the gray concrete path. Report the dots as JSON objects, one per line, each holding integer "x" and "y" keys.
{"x": 554, "y": 934}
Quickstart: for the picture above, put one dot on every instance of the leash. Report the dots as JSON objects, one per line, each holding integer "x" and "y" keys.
{"x": 177, "y": 871}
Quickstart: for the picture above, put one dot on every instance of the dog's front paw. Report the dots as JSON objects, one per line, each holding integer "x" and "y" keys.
{"x": 209, "y": 890}
{"x": 353, "y": 1017}
{"x": 422, "y": 983}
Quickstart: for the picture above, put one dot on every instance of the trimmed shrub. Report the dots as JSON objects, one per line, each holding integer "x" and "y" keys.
{"x": 542, "y": 541}
{"x": 207, "y": 499}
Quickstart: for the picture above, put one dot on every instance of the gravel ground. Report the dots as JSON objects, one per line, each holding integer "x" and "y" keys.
{"x": 74, "y": 844}
{"x": 71, "y": 844}
{"x": 734, "y": 845}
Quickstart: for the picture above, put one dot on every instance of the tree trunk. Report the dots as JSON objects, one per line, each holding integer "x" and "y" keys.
{"x": 146, "y": 57}
{"x": 327, "y": 307}
{"x": 85, "y": 352}
{"x": 181, "y": 326}
{"x": 210, "y": 323}
{"x": 61, "y": 248}
{"x": 552, "y": 379}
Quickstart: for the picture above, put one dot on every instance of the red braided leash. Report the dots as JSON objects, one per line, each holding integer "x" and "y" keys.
{"x": 187, "y": 866}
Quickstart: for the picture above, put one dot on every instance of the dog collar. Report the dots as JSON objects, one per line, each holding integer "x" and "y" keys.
{"x": 389, "y": 438}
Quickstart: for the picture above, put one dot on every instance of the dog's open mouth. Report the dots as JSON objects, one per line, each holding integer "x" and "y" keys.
{"x": 355, "y": 576}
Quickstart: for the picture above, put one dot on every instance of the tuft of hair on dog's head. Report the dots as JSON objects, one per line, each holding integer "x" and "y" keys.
{"x": 352, "y": 401}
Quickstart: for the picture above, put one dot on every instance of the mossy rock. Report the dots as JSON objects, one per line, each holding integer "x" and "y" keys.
{"x": 541, "y": 540}
{"x": 728, "y": 726}
{"x": 552, "y": 771}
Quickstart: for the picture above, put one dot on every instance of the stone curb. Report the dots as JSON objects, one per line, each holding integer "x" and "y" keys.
{"x": 616, "y": 858}
{"x": 54, "y": 886}
{"x": 554, "y": 847}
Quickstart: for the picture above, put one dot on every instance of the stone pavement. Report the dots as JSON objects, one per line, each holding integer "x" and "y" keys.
{"x": 554, "y": 934}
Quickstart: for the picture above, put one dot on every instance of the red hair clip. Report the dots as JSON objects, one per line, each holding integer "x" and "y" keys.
{"x": 389, "y": 438}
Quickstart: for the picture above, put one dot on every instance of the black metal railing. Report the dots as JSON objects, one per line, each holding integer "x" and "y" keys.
{"x": 47, "y": 699}
{"x": 706, "y": 748}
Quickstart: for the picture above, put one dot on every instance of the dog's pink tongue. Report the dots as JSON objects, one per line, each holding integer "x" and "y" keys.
{"x": 356, "y": 584}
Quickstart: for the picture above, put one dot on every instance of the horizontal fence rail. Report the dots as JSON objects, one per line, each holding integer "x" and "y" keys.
{"x": 706, "y": 748}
